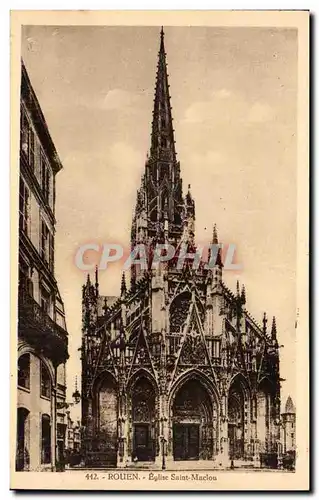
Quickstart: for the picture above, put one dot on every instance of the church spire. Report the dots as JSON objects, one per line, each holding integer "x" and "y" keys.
{"x": 160, "y": 206}
{"x": 274, "y": 330}
{"x": 218, "y": 261}
{"x": 215, "y": 236}
{"x": 162, "y": 141}
{"x": 123, "y": 285}
{"x": 162, "y": 48}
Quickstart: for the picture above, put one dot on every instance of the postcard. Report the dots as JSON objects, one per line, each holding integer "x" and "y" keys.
{"x": 160, "y": 243}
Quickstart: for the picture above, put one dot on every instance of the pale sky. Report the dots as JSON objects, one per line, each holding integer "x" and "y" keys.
{"x": 234, "y": 96}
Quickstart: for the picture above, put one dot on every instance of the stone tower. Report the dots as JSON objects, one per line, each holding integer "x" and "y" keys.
{"x": 289, "y": 426}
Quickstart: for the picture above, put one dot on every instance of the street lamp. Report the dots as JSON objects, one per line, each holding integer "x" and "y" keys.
{"x": 76, "y": 396}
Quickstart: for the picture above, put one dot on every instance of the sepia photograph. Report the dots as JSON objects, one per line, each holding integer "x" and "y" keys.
{"x": 159, "y": 250}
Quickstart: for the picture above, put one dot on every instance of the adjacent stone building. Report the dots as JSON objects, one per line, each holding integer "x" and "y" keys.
{"x": 288, "y": 419}
{"x": 42, "y": 334}
{"x": 175, "y": 368}
{"x": 73, "y": 435}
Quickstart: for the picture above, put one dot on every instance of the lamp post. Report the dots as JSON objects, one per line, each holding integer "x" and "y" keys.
{"x": 76, "y": 396}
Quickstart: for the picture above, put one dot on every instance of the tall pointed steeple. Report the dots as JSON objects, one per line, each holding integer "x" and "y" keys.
{"x": 159, "y": 211}
{"x": 162, "y": 139}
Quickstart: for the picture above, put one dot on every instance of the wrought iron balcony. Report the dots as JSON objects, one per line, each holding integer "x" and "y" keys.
{"x": 44, "y": 334}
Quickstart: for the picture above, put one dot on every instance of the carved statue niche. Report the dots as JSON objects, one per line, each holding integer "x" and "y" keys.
{"x": 193, "y": 351}
{"x": 178, "y": 312}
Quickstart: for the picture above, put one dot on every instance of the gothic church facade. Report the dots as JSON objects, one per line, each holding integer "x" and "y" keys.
{"x": 175, "y": 369}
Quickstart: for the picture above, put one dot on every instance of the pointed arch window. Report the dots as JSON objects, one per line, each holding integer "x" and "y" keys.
{"x": 153, "y": 215}
{"x": 154, "y": 173}
{"x": 178, "y": 312}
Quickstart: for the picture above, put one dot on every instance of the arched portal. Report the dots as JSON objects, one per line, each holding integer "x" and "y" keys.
{"x": 106, "y": 417}
{"x": 192, "y": 415}
{"x": 143, "y": 419}
{"x": 23, "y": 440}
{"x": 236, "y": 417}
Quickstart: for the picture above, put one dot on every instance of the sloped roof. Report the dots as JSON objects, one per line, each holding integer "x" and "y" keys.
{"x": 290, "y": 407}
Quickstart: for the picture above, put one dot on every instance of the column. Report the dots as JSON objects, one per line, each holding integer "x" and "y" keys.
{"x": 161, "y": 458}
{"x": 222, "y": 459}
{"x": 123, "y": 430}
{"x": 246, "y": 436}
{"x": 169, "y": 440}
{"x": 88, "y": 433}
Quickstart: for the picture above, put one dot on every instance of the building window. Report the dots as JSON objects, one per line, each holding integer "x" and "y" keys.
{"x": 25, "y": 282}
{"x": 45, "y": 382}
{"x": 24, "y": 371}
{"x": 45, "y": 178}
{"x": 45, "y": 300}
{"x": 24, "y": 132}
{"x": 47, "y": 246}
{"x": 24, "y": 199}
{"x": 51, "y": 252}
{"x": 292, "y": 440}
{"x": 45, "y": 241}
{"x": 27, "y": 139}
{"x": 46, "y": 440}
{"x": 31, "y": 148}
{"x": 215, "y": 348}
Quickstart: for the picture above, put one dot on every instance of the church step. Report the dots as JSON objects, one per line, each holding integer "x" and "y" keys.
{"x": 141, "y": 465}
